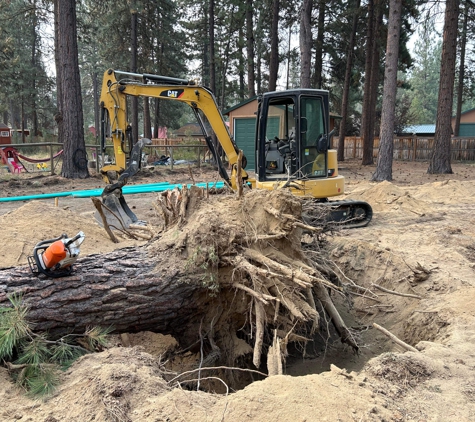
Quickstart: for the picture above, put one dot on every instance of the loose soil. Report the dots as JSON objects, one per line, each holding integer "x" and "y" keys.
{"x": 420, "y": 242}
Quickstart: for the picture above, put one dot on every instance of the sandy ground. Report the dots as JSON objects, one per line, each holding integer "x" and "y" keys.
{"x": 420, "y": 244}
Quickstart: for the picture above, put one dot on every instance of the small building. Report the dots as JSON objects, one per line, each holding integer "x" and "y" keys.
{"x": 5, "y": 135}
{"x": 467, "y": 123}
{"x": 242, "y": 125}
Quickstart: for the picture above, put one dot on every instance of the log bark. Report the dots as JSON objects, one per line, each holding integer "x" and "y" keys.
{"x": 120, "y": 289}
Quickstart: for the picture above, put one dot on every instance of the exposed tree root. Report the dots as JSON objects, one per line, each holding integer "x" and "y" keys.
{"x": 251, "y": 257}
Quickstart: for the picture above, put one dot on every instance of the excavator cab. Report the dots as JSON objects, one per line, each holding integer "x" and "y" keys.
{"x": 292, "y": 143}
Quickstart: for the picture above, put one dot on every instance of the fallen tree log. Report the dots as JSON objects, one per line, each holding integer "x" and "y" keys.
{"x": 227, "y": 274}
{"x": 121, "y": 289}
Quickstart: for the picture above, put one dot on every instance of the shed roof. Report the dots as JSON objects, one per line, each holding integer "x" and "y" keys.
{"x": 415, "y": 129}
{"x": 242, "y": 103}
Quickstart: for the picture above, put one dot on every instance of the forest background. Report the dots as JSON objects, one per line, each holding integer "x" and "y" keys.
{"x": 238, "y": 49}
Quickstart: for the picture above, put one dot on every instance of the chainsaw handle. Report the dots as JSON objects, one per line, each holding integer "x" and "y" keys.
{"x": 49, "y": 241}
{"x": 73, "y": 239}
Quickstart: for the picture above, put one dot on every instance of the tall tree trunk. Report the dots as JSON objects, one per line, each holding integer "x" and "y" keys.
{"x": 226, "y": 58}
{"x": 386, "y": 139}
{"x": 318, "y": 76}
{"x": 274, "y": 46}
{"x": 346, "y": 85}
{"x": 59, "y": 89}
{"x": 463, "y": 43}
{"x": 205, "y": 69}
{"x": 74, "y": 151}
{"x": 305, "y": 43}
{"x": 34, "y": 65}
{"x": 289, "y": 57}
{"x": 375, "y": 76}
{"x": 156, "y": 118}
{"x": 440, "y": 158}
{"x": 251, "y": 82}
{"x": 373, "y": 85}
{"x": 242, "y": 67}
{"x": 23, "y": 120}
{"x": 365, "y": 115}
{"x": 240, "y": 59}
{"x": 212, "y": 58}
{"x": 95, "y": 85}
{"x": 133, "y": 68}
{"x": 259, "y": 48}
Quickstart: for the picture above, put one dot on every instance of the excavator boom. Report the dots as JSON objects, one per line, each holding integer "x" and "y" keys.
{"x": 200, "y": 99}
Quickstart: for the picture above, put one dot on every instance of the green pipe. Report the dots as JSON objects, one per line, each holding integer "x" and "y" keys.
{"x": 132, "y": 189}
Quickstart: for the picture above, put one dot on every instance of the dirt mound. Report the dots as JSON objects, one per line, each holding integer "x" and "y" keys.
{"x": 23, "y": 228}
{"x": 387, "y": 197}
{"x": 406, "y": 370}
{"x": 111, "y": 384}
{"x": 446, "y": 192}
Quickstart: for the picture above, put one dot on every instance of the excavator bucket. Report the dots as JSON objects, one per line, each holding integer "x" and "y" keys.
{"x": 117, "y": 213}
{"x": 114, "y": 208}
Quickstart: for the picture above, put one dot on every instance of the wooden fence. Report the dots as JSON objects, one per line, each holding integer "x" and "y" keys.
{"x": 412, "y": 148}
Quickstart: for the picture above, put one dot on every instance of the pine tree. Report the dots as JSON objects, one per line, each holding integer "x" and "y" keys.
{"x": 440, "y": 157}
{"x": 385, "y": 156}
{"x": 74, "y": 151}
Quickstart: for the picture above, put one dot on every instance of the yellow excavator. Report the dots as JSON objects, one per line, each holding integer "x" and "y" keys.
{"x": 291, "y": 144}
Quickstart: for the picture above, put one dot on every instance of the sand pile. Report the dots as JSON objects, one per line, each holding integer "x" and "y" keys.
{"x": 446, "y": 192}
{"x": 23, "y": 228}
{"x": 386, "y": 197}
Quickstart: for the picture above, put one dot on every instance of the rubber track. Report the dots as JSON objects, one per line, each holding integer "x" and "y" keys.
{"x": 353, "y": 220}
{"x": 350, "y": 214}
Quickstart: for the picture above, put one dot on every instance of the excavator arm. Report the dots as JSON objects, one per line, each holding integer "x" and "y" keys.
{"x": 118, "y": 85}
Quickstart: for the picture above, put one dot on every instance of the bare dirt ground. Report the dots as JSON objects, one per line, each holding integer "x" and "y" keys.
{"x": 419, "y": 244}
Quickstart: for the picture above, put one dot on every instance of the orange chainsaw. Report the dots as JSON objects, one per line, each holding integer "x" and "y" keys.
{"x": 55, "y": 257}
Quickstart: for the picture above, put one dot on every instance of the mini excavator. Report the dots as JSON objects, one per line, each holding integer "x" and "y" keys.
{"x": 291, "y": 143}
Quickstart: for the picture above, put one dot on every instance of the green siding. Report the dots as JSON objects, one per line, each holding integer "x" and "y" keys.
{"x": 467, "y": 129}
{"x": 244, "y": 134}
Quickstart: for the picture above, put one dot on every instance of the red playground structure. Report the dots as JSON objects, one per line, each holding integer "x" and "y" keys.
{"x": 11, "y": 158}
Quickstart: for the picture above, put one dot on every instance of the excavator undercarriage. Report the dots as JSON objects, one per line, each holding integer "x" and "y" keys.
{"x": 346, "y": 214}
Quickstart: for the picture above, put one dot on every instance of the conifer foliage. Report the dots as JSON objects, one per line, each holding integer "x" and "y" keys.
{"x": 33, "y": 360}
